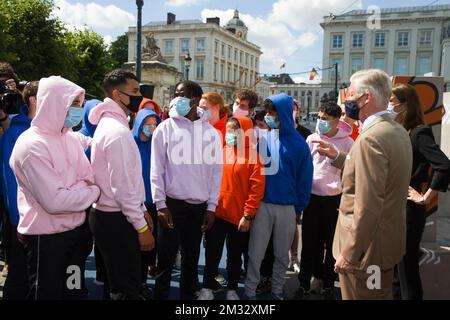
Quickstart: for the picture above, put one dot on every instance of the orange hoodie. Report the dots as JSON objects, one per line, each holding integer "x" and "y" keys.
{"x": 243, "y": 184}
{"x": 221, "y": 128}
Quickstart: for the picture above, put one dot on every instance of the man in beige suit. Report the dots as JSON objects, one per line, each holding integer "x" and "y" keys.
{"x": 370, "y": 233}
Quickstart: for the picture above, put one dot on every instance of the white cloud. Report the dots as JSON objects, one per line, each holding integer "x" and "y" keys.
{"x": 183, "y": 3}
{"x": 93, "y": 15}
{"x": 108, "y": 39}
{"x": 290, "y": 25}
{"x": 307, "y": 14}
{"x": 275, "y": 39}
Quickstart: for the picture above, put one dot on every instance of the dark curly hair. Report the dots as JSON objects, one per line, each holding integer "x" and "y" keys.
{"x": 251, "y": 96}
{"x": 331, "y": 108}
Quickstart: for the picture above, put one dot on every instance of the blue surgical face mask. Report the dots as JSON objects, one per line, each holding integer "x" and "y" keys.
{"x": 147, "y": 130}
{"x": 323, "y": 126}
{"x": 272, "y": 121}
{"x": 230, "y": 139}
{"x": 182, "y": 105}
{"x": 351, "y": 108}
{"x": 74, "y": 117}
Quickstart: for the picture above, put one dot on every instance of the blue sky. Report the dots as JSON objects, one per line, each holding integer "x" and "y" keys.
{"x": 286, "y": 30}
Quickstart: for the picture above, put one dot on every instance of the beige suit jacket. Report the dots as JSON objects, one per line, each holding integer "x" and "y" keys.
{"x": 371, "y": 228}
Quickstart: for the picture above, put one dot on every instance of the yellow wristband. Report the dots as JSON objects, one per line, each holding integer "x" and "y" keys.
{"x": 142, "y": 230}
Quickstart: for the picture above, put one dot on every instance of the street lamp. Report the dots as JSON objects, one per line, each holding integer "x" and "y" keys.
{"x": 187, "y": 64}
{"x": 140, "y": 4}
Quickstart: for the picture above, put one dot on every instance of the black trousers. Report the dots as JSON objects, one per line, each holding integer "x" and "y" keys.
{"x": 318, "y": 226}
{"x": 408, "y": 268}
{"x": 49, "y": 258}
{"x": 5, "y": 231}
{"x": 187, "y": 221}
{"x": 148, "y": 258}
{"x": 118, "y": 243}
{"x": 16, "y": 284}
{"x": 236, "y": 244}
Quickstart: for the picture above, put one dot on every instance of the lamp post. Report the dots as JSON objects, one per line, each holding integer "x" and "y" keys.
{"x": 187, "y": 64}
{"x": 308, "y": 97}
{"x": 140, "y": 4}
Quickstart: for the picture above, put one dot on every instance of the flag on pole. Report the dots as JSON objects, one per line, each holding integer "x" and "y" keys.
{"x": 312, "y": 74}
{"x": 283, "y": 65}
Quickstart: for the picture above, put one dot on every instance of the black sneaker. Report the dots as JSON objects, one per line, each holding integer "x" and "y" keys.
{"x": 301, "y": 293}
{"x": 264, "y": 286}
{"x": 242, "y": 275}
{"x": 152, "y": 272}
{"x": 146, "y": 292}
{"x": 216, "y": 287}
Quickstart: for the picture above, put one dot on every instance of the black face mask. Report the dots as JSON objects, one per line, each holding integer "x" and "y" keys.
{"x": 135, "y": 102}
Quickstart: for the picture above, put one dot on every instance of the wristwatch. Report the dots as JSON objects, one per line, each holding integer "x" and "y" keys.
{"x": 248, "y": 217}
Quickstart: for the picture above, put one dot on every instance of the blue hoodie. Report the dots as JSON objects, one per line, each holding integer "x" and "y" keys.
{"x": 88, "y": 128}
{"x": 144, "y": 149}
{"x": 19, "y": 124}
{"x": 291, "y": 184}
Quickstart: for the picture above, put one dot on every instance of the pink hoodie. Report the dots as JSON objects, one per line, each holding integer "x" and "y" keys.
{"x": 194, "y": 177}
{"x": 50, "y": 165}
{"x": 117, "y": 165}
{"x": 326, "y": 178}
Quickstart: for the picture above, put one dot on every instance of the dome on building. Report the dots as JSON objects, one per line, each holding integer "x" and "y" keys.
{"x": 235, "y": 22}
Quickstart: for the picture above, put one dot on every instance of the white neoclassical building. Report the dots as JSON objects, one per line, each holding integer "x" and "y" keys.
{"x": 223, "y": 60}
{"x": 407, "y": 41}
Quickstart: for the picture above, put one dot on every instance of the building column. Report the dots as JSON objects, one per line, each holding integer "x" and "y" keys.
{"x": 390, "y": 59}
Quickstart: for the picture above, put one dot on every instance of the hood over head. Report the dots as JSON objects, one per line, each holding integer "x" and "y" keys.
{"x": 54, "y": 97}
{"x": 246, "y": 124}
{"x": 140, "y": 118}
{"x": 284, "y": 105}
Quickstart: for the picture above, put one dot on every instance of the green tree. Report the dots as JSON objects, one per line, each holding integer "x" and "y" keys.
{"x": 5, "y": 40}
{"x": 118, "y": 51}
{"x": 91, "y": 59}
{"x": 38, "y": 39}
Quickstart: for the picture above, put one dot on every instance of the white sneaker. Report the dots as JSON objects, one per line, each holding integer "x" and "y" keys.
{"x": 206, "y": 294}
{"x": 316, "y": 286}
{"x": 232, "y": 295}
{"x": 296, "y": 267}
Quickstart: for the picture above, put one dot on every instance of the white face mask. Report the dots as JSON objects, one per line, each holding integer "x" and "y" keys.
{"x": 237, "y": 111}
{"x": 391, "y": 110}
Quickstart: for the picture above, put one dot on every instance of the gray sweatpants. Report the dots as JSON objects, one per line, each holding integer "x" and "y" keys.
{"x": 281, "y": 220}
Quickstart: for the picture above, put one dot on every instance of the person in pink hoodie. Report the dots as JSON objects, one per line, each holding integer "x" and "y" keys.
{"x": 120, "y": 223}
{"x": 185, "y": 176}
{"x": 55, "y": 187}
{"x": 320, "y": 217}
